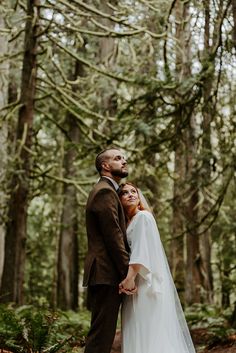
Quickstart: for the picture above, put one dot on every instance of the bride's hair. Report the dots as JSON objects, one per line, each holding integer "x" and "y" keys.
{"x": 143, "y": 205}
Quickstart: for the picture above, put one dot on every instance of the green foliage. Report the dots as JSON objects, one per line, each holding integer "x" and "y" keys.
{"x": 40, "y": 251}
{"x": 213, "y": 318}
{"x": 203, "y": 314}
{"x": 122, "y": 98}
{"x": 30, "y": 329}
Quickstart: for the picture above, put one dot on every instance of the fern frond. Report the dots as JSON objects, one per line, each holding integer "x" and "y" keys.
{"x": 57, "y": 346}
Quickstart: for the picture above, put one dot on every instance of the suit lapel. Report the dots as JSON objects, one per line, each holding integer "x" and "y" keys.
{"x": 108, "y": 181}
{"x": 123, "y": 222}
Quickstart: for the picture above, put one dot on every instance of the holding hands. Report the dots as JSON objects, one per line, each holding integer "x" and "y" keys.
{"x": 128, "y": 285}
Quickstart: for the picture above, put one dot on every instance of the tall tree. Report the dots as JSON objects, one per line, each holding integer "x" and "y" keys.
{"x": 193, "y": 275}
{"x": 208, "y": 116}
{"x": 4, "y": 72}
{"x": 177, "y": 242}
{"x": 177, "y": 229}
{"x": 13, "y": 272}
{"x": 185, "y": 169}
{"x": 68, "y": 262}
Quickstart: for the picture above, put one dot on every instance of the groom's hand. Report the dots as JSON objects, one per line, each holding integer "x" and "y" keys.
{"x": 128, "y": 286}
{"x": 128, "y": 292}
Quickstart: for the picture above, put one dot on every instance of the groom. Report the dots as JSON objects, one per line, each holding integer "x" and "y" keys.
{"x": 106, "y": 263}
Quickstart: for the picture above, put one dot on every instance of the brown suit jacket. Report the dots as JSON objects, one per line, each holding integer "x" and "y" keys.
{"x": 107, "y": 259}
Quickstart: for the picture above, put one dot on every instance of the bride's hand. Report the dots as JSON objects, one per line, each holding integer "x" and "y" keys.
{"x": 128, "y": 286}
{"x": 128, "y": 292}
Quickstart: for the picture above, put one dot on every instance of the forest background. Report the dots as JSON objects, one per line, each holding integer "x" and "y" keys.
{"x": 156, "y": 78}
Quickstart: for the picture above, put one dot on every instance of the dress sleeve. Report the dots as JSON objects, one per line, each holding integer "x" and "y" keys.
{"x": 145, "y": 249}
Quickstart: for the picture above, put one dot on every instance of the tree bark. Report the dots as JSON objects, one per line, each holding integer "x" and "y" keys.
{"x": 188, "y": 186}
{"x": 68, "y": 261}
{"x": 107, "y": 57}
{"x": 234, "y": 17}
{"x": 107, "y": 45}
{"x": 208, "y": 114}
{"x": 194, "y": 261}
{"x": 4, "y": 73}
{"x": 13, "y": 273}
{"x": 177, "y": 226}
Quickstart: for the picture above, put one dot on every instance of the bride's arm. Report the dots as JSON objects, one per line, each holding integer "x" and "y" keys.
{"x": 128, "y": 284}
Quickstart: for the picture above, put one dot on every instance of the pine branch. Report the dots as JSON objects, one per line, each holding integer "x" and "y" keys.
{"x": 16, "y": 35}
{"x": 120, "y": 21}
{"x": 88, "y": 64}
{"x": 214, "y": 210}
{"x": 65, "y": 96}
{"x": 68, "y": 182}
{"x": 9, "y": 57}
{"x": 50, "y": 118}
{"x": 151, "y": 7}
{"x": 107, "y": 31}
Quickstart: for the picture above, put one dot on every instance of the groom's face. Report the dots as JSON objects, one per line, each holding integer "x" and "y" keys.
{"x": 117, "y": 164}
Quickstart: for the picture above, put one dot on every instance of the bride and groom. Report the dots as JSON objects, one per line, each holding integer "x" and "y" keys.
{"x": 126, "y": 264}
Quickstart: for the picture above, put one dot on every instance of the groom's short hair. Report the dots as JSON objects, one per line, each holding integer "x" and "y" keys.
{"x": 102, "y": 157}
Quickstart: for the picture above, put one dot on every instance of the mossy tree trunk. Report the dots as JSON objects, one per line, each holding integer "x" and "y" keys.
{"x": 68, "y": 261}
{"x": 13, "y": 272}
{"x": 208, "y": 116}
{"x": 4, "y": 73}
{"x": 185, "y": 213}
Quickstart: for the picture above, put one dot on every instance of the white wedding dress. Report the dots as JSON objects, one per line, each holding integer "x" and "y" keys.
{"x": 152, "y": 320}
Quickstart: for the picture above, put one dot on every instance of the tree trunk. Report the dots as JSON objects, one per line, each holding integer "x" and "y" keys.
{"x": 4, "y": 72}
{"x": 177, "y": 242}
{"x": 189, "y": 185}
{"x": 107, "y": 56}
{"x": 194, "y": 261}
{"x": 208, "y": 114}
{"x": 234, "y": 17}
{"x": 226, "y": 257}
{"x": 106, "y": 44}
{"x": 225, "y": 290}
{"x": 233, "y": 317}
{"x": 68, "y": 261}
{"x": 177, "y": 225}
{"x": 13, "y": 273}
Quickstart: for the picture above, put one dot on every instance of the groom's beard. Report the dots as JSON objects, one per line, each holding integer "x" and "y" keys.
{"x": 120, "y": 173}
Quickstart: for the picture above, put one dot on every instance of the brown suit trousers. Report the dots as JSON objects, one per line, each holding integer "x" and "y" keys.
{"x": 104, "y": 301}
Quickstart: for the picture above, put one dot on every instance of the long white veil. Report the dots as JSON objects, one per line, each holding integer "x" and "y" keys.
{"x": 171, "y": 315}
{"x": 143, "y": 201}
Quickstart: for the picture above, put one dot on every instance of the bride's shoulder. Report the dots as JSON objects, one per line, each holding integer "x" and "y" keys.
{"x": 146, "y": 215}
{"x": 142, "y": 220}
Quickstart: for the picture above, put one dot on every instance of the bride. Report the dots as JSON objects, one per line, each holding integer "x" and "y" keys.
{"x": 152, "y": 319}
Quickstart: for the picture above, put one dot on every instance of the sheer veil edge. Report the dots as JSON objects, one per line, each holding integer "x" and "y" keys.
{"x": 171, "y": 303}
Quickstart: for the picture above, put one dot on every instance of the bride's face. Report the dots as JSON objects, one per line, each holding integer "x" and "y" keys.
{"x": 129, "y": 197}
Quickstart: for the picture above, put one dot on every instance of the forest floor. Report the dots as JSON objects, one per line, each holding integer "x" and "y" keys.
{"x": 205, "y": 342}
{"x": 202, "y": 341}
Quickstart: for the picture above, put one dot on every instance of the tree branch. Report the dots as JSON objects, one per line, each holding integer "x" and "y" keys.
{"x": 88, "y": 64}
